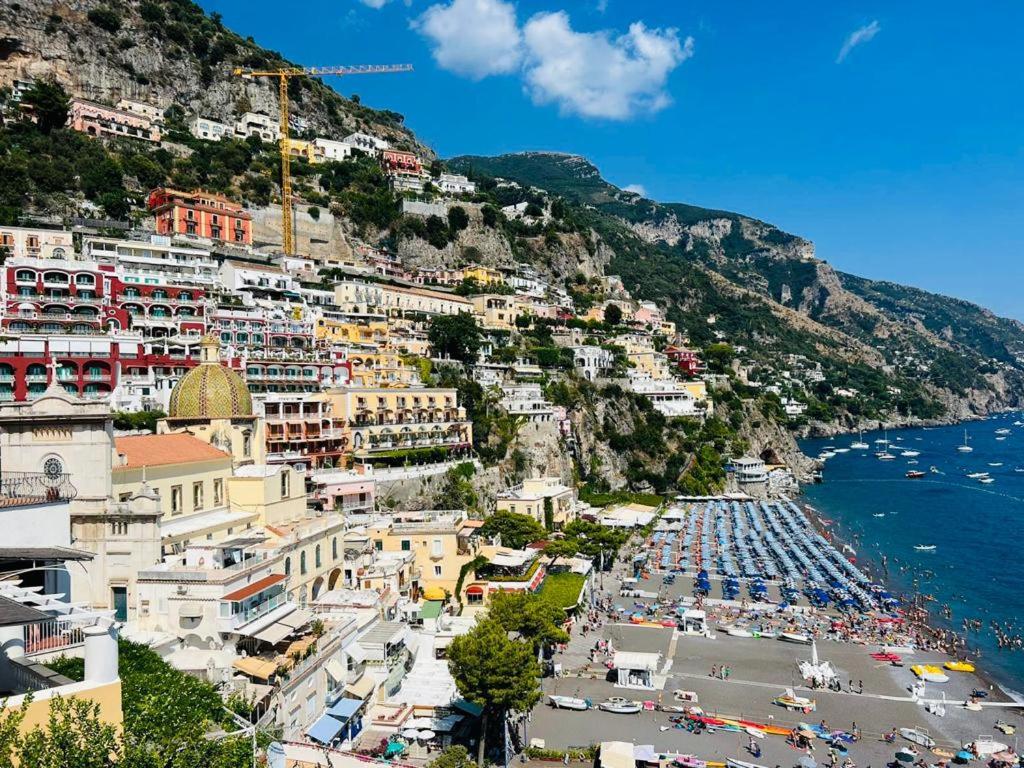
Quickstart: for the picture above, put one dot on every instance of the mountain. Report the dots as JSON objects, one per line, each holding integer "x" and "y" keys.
{"x": 908, "y": 353}
{"x": 173, "y": 55}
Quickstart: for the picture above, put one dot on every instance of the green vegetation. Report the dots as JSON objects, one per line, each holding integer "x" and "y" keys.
{"x": 516, "y": 530}
{"x": 137, "y": 420}
{"x": 562, "y": 589}
{"x": 455, "y": 336}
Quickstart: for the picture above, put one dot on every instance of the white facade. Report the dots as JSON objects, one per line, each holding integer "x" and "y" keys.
{"x": 37, "y": 243}
{"x": 592, "y": 361}
{"x": 210, "y": 130}
{"x": 149, "y": 262}
{"x": 328, "y": 149}
{"x": 142, "y": 109}
{"x": 366, "y": 143}
{"x": 455, "y": 184}
{"x": 256, "y": 124}
{"x": 528, "y": 401}
{"x": 667, "y": 396}
{"x": 236, "y": 275}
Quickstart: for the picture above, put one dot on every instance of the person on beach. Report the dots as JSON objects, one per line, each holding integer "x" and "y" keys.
{"x": 714, "y": 670}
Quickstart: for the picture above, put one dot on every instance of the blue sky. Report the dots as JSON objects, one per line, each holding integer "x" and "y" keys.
{"x": 887, "y": 133}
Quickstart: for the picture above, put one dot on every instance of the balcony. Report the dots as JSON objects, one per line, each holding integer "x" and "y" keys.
{"x": 35, "y": 487}
{"x": 241, "y": 618}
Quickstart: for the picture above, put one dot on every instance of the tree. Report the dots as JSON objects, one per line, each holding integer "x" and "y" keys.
{"x": 49, "y": 104}
{"x": 455, "y": 756}
{"x": 455, "y": 336}
{"x": 561, "y": 548}
{"x": 105, "y": 18}
{"x": 533, "y": 210}
{"x": 489, "y": 215}
{"x": 458, "y": 219}
{"x": 74, "y": 737}
{"x": 613, "y": 314}
{"x": 718, "y": 357}
{"x": 437, "y": 231}
{"x": 535, "y": 619}
{"x": 516, "y": 530}
{"x": 494, "y": 672}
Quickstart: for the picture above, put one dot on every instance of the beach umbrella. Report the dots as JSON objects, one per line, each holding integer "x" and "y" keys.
{"x": 963, "y": 756}
{"x": 411, "y": 733}
{"x": 427, "y": 734}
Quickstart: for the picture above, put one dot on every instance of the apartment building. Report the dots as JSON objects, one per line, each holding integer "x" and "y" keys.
{"x": 200, "y": 214}
{"x": 21, "y": 242}
{"x": 210, "y": 130}
{"x": 546, "y": 499}
{"x": 107, "y": 122}
{"x": 396, "y": 301}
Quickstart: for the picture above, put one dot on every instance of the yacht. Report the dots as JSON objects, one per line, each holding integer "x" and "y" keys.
{"x": 965, "y": 448}
{"x": 910, "y": 454}
{"x": 977, "y": 475}
{"x": 1003, "y": 431}
{"x": 986, "y": 480}
{"x": 885, "y": 456}
{"x": 859, "y": 444}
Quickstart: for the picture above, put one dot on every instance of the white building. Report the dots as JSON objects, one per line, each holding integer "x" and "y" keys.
{"x": 667, "y": 396}
{"x": 144, "y": 109}
{"x": 328, "y": 149}
{"x": 240, "y": 276}
{"x": 37, "y": 243}
{"x": 366, "y": 143}
{"x": 592, "y": 361}
{"x": 257, "y": 124}
{"x": 455, "y": 184}
{"x": 152, "y": 261}
{"x": 793, "y": 408}
{"x": 748, "y": 470}
{"x": 528, "y": 401}
{"x": 210, "y": 130}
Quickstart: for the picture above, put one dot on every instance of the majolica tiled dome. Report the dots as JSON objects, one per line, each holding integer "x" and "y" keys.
{"x": 210, "y": 390}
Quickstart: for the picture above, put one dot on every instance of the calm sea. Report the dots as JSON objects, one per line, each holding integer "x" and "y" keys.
{"x": 977, "y": 529}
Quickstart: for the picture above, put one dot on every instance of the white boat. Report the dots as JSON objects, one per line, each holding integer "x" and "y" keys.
{"x": 984, "y": 746}
{"x": 1000, "y": 438}
{"x": 910, "y": 454}
{"x": 1018, "y": 469}
{"x": 995, "y": 463}
{"x": 859, "y": 444}
{"x": 569, "y": 702}
{"x": 965, "y": 448}
{"x": 1003, "y": 431}
{"x": 919, "y": 737}
{"x": 885, "y": 456}
{"x": 879, "y": 514}
{"x": 619, "y": 706}
{"x": 987, "y": 480}
{"x": 925, "y": 547}
{"x": 840, "y": 450}
{"x": 795, "y": 637}
{"x": 730, "y": 763}
{"x": 977, "y": 475}
{"x": 735, "y": 631}
{"x": 826, "y": 455}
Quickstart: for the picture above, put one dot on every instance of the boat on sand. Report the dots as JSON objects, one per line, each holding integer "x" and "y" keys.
{"x": 620, "y": 706}
{"x": 795, "y": 637}
{"x": 789, "y": 700}
{"x": 918, "y": 736}
{"x": 569, "y": 702}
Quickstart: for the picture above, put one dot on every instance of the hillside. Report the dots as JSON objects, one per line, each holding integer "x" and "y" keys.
{"x": 173, "y": 55}
{"x": 766, "y": 291}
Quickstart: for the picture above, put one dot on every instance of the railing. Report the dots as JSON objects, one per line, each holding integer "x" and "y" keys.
{"x": 52, "y": 635}
{"x": 256, "y": 611}
{"x": 28, "y": 677}
{"x": 36, "y": 486}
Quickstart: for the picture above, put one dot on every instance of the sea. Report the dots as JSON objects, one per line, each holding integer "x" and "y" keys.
{"x": 977, "y": 566}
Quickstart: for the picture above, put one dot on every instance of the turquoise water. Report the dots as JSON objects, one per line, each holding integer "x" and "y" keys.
{"x": 978, "y": 530}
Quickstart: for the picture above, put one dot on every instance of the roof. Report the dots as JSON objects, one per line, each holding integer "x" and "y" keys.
{"x": 431, "y": 609}
{"x": 157, "y": 450}
{"x": 14, "y": 614}
{"x": 210, "y": 390}
{"x": 251, "y": 589}
{"x": 636, "y": 660}
{"x": 20, "y": 554}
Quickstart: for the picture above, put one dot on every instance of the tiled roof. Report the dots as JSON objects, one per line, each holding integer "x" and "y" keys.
{"x": 251, "y": 589}
{"x": 156, "y": 450}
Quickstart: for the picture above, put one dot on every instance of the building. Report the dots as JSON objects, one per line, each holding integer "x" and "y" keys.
{"x": 455, "y": 184}
{"x": 685, "y": 360}
{"x": 259, "y": 125}
{"x": 396, "y": 302}
{"x": 144, "y": 109}
{"x": 592, "y": 361}
{"x": 749, "y": 470}
{"x": 527, "y": 400}
{"x": 667, "y": 395}
{"x": 34, "y": 243}
{"x": 200, "y": 214}
{"x": 511, "y": 570}
{"x": 149, "y": 262}
{"x": 210, "y": 130}
{"x": 259, "y": 278}
{"x": 107, "y": 122}
{"x": 404, "y": 170}
{"x": 546, "y": 499}
{"x": 364, "y": 142}
{"x": 497, "y": 311}
{"x": 330, "y": 150}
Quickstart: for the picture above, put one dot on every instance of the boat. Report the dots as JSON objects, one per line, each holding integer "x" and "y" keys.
{"x": 972, "y": 706}
{"x": 734, "y": 631}
{"x": 859, "y": 444}
{"x": 840, "y": 450}
{"x": 730, "y": 763}
{"x": 1000, "y": 438}
{"x": 915, "y": 474}
{"x": 1003, "y": 431}
{"x": 1018, "y": 469}
{"x": 879, "y": 514}
{"x": 917, "y": 736}
{"x": 789, "y": 700}
{"x": 885, "y": 456}
{"x": 983, "y": 746}
{"x": 977, "y": 475}
{"x": 925, "y": 547}
{"x": 959, "y": 666}
{"x": 910, "y": 454}
{"x": 826, "y": 455}
{"x": 995, "y": 463}
{"x": 987, "y": 480}
{"x": 795, "y": 637}
{"x": 929, "y": 673}
{"x": 569, "y": 702}
{"x": 1008, "y": 728}
{"x": 965, "y": 448}
{"x": 620, "y": 706}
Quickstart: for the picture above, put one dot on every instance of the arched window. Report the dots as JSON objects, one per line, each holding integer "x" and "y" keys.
{"x": 287, "y": 566}
{"x": 302, "y": 563}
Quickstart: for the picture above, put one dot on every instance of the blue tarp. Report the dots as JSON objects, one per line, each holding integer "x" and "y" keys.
{"x": 325, "y": 730}
{"x": 345, "y": 708}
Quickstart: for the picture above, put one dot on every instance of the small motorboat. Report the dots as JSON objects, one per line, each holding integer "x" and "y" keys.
{"x": 620, "y": 706}
{"x": 995, "y": 463}
{"x": 885, "y": 656}
{"x": 972, "y": 706}
{"x": 987, "y": 480}
{"x": 879, "y": 514}
{"x": 977, "y": 475}
{"x": 984, "y": 746}
{"x": 789, "y": 700}
{"x": 915, "y": 474}
{"x": 917, "y": 736}
{"x": 886, "y": 456}
{"x": 1008, "y": 728}
{"x": 925, "y": 548}
{"x": 569, "y": 702}
{"x": 734, "y": 631}
{"x": 911, "y": 454}
{"x": 795, "y": 637}
{"x": 959, "y": 666}
{"x": 1003, "y": 431}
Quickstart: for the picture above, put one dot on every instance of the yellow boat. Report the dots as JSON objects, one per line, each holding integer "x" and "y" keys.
{"x": 959, "y": 666}
{"x": 929, "y": 673}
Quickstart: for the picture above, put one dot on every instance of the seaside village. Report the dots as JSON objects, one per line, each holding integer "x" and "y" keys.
{"x": 268, "y": 534}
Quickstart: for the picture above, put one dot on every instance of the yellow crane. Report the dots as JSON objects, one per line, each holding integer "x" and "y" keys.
{"x": 282, "y": 76}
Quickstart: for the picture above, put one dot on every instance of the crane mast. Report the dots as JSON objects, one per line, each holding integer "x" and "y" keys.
{"x": 283, "y": 74}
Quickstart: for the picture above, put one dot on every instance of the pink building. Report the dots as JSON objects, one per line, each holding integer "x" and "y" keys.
{"x": 107, "y": 122}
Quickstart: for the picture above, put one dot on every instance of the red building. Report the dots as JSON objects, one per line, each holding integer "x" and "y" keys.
{"x": 201, "y": 214}
{"x": 397, "y": 160}
{"x": 685, "y": 360}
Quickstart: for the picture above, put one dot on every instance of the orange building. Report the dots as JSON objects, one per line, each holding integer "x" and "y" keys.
{"x": 200, "y": 213}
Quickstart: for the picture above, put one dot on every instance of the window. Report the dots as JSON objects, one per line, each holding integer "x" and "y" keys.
{"x": 218, "y": 492}
{"x": 247, "y": 444}
{"x": 378, "y": 545}
{"x": 197, "y": 496}
{"x": 119, "y": 528}
{"x": 284, "y": 484}
{"x": 316, "y": 557}
{"x": 334, "y": 548}
{"x": 287, "y": 566}
{"x": 406, "y": 545}
{"x": 302, "y": 563}
{"x": 437, "y": 570}
{"x": 175, "y": 499}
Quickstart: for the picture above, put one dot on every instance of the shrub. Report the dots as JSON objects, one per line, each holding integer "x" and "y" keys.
{"x": 105, "y": 18}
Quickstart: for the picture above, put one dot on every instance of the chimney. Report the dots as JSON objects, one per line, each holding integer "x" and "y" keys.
{"x": 100, "y": 654}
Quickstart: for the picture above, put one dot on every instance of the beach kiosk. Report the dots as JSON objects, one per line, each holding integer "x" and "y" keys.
{"x": 635, "y": 669}
{"x": 694, "y": 621}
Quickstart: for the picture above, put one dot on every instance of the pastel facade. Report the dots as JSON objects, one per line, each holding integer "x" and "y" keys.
{"x": 107, "y": 122}
{"x": 200, "y": 214}
{"x": 546, "y": 499}
{"x": 36, "y": 243}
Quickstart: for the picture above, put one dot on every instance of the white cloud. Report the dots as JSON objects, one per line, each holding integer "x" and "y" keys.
{"x": 474, "y": 38}
{"x": 638, "y": 189}
{"x": 858, "y": 37}
{"x": 592, "y": 74}
{"x": 375, "y": 4}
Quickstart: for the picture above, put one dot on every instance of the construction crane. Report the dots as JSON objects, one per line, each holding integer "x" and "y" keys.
{"x": 282, "y": 76}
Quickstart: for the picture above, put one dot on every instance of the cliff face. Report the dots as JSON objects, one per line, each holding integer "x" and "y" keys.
{"x": 167, "y": 53}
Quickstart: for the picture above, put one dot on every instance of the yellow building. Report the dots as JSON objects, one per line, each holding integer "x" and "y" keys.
{"x": 275, "y": 494}
{"x": 380, "y": 368}
{"x": 483, "y": 275}
{"x": 367, "y": 330}
{"x": 496, "y": 311}
{"x": 441, "y": 543}
{"x": 546, "y": 499}
{"x": 303, "y": 149}
{"x": 396, "y": 301}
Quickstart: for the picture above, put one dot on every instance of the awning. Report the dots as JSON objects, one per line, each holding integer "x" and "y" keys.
{"x": 468, "y": 707}
{"x": 274, "y": 634}
{"x": 431, "y": 609}
{"x": 254, "y": 588}
{"x": 362, "y": 688}
{"x": 336, "y": 670}
{"x": 344, "y": 708}
{"x": 433, "y": 593}
{"x": 190, "y": 611}
{"x": 297, "y": 618}
{"x": 255, "y": 667}
{"x": 357, "y": 652}
{"x": 475, "y": 589}
{"x": 298, "y": 647}
{"x": 325, "y": 730}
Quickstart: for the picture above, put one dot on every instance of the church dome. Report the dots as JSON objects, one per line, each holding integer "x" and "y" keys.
{"x": 210, "y": 390}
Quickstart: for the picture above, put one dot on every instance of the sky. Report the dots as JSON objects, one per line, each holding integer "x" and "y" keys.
{"x": 889, "y": 134}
